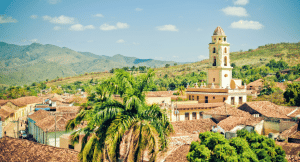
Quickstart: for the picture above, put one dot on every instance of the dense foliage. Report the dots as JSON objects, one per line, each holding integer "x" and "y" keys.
{"x": 292, "y": 94}
{"x": 251, "y": 147}
{"x": 143, "y": 128}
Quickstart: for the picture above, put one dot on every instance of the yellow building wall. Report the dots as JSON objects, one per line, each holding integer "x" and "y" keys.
{"x": 158, "y": 100}
{"x": 211, "y": 98}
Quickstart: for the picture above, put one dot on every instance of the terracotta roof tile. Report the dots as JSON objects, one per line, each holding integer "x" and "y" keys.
{"x": 48, "y": 123}
{"x": 39, "y": 115}
{"x": 229, "y": 110}
{"x": 268, "y": 109}
{"x": 287, "y": 133}
{"x": 68, "y": 108}
{"x": 256, "y": 83}
{"x": 3, "y": 102}
{"x": 233, "y": 121}
{"x": 18, "y": 150}
{"x": 295, "y": 113}
{"x": 160, "y": 93}
{"x": 189, "y": 126}
{"x": 23, "y": 101}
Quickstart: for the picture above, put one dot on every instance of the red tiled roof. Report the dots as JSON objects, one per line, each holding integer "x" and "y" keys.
{"x": 297, "y": 80}
{"x": 160, "y": 93}
{"x": 23, "y": 101}
{"x": 3, "y": 102}
{"x": 268, "y": 109}
{"x": 287, "y": 133}
{"x": 39, "y": 115}
{"x": 189, "y": 126}
{"x": 67, "y": 108}
{"x": 295, "y": 113}
{"x": 48, "y": 123}
{"x": 229, "y": 110}
{"x": 256, "y": 83}
{"x": 233, "y": 121}
{"x": 18, "y": 150}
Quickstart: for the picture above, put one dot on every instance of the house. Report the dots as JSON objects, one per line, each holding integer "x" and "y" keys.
{"x": 285, "y": 71}
{"x": 158, "y": 97}
{"x": 13, "y": 149}
{"x": 276, "y": 118}
{"x": 221, "y": 87}
{"x": 232, "y": 124}
{"x": 24, "y": 105}
{"x": 256, "y": 85}
{"x": 224, "y": 111}
{"x": 46, "y": 128}
{"x": 189, "y": 110}
{"x": 65, "y": 142}
{"x": 6, "y": 114}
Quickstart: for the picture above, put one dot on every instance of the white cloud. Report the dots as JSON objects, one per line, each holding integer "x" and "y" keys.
{"x": 122, "y": 25}
{"x": 134, "y": 43}
{"x": 243, "y": 24}
{"x": 119, "y": 25}
{"x": 34, "y": 40}
{"x": 235, "y": 11}
{"x": 107, "y": 27}
{"x": 240, "y": 2}
{"x": 79, "y": 27}
{"x": 7, "y": 19}
{"x": 120, "y": 41}
{"x": 53, "y": 1}
{"x": 60, "y": 20}
{"x": 167, "y": 28}
{"x": 201, "y": 57}
{"x": 56, "y": 28}
{"x": 139, "y": 9}
{"x": 33, "y": 16}
{"x": 98, "y": 15}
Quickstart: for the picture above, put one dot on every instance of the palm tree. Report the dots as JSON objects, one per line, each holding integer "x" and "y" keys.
{"x": 181, "y": 90}
{"x": 110, "y": 122}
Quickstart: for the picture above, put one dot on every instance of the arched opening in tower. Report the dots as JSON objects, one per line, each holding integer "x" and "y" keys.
{"x": 225, "y": 61}
{"x": 225, "y": 51}
{"x": 215, "y": 61}
{"x": 214, "y": 50}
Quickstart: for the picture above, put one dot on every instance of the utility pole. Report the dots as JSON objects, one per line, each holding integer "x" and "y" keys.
{"x": 60, "y": 114}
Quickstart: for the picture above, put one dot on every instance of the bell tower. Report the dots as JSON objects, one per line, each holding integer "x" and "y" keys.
{"x": 220, "y": 72}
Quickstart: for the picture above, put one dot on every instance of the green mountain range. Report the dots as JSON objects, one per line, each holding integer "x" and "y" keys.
{"x": 21, "y": 65}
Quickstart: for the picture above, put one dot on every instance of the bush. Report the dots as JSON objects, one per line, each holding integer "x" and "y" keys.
{"x": 252, "y": 147}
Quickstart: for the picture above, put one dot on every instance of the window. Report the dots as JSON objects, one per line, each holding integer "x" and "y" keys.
{"x": 71, "y": 147}
{"x": 240, "y": 100}
{"x": 225, "y": 50}
{"x": 225, "y": 61}
{"x": 189, "y": 97}
{"x": 214, "y": 39}
{"x": 201, "y": 114}
{"x": 224, "y": 98}
{"x": 214, "y": 50}
{"x": 194, "y": 115}
{"x": 193, "y": 98}
{"x": 215, "y": 61}
{"x": 224, "y": 39}
{"x": 197, "y": 98}
{"x": 226, "y": 75}
{"x": 187, "y": 116}
{"x": 214, "y": 79}
{"x": 206, "y": 99}
{"x": 214, "y": 97}
{"x": 232, "y": 100}
{"x": 219, "y": 38}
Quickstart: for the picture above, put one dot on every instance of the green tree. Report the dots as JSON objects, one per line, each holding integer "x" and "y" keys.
{"x": 292, "y": 94}
{"x": 167, "y": 65}
{"x": 110, "y": 121}
{"x": 251, "y": 147}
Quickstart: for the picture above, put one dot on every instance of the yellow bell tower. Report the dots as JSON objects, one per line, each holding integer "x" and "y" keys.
{"x": 220, "y": 73}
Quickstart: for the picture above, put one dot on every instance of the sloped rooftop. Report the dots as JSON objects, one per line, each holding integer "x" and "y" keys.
{"x": 18, "y": 150}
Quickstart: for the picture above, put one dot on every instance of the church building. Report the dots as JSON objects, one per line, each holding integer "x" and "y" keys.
{"x": 220, "y": 87}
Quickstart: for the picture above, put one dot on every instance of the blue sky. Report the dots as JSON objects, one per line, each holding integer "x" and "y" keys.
{"x": 165, "y": 30}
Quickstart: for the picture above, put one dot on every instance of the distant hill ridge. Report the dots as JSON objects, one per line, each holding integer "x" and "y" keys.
{"x": 21, "y": 65}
